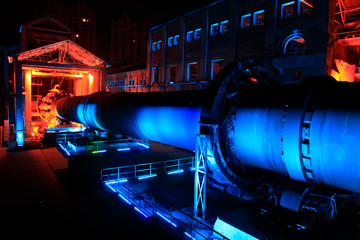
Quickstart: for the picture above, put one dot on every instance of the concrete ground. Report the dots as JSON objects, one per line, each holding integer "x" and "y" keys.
{"x": 43, "y": 194}
{"x": 40, "y": 197}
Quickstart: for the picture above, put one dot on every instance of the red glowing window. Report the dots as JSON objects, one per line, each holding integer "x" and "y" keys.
{"x": 216, "y": 67}
{"x": 305, "y": 7}
{"x": 288, "y": 10}
{"x": 259, "y": 18}
{"x": 224, "y": 26}
{"x": 246, "y": 21}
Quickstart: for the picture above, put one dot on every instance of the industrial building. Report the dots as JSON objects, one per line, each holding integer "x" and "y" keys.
{"x": 59, "y": 69}
{"x": 286, "y": 40}
{"x": 260, "y": 98}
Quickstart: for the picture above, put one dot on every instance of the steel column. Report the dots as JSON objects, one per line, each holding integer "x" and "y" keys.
{"x": 200, "y": 175}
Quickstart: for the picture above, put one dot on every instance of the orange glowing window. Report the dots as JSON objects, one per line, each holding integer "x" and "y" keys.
{"x": 216, "y": 67}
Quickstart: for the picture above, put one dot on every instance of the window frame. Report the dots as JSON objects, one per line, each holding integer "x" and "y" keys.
{"x": 243, "y": 17}
{"x": 283, "y": 16}
{"x": 176, "y": 40}
{"x": 188, "y": 71}
{"x": 170, "y": 41}
{"x": 300, "y": 13}
{"x": 257, "y": 23}
{"x": 189, "y": 36}
{"x": 197, "y": 34}
{"x": 169, "y": 74}
{"x": 221, "y": 28}
{"x": 214, "y": 29}
{"x": 212, "y": 66}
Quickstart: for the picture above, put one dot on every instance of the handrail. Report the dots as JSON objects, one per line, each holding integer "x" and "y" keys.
{"x": 141, "y": 203}
{"x": 150, "y": 168}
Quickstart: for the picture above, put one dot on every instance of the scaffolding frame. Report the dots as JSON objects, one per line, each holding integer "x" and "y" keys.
{"x": 200, "y": 175}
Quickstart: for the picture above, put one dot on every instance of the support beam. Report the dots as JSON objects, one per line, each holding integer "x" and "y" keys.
{"x": 200, "y": 175}
{"x": 28, "y": 119}
{"x": 19, "y": 125}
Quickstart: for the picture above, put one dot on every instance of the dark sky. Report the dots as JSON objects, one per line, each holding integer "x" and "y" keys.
{"x": 13, "y": 13}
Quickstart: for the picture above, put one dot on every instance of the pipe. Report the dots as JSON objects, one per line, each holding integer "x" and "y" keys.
{"x": 308, "y": 132}
{"x": 171, "y": 117}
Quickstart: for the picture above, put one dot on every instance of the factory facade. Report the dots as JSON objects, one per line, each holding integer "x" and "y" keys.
{"x": 291, "y": 40}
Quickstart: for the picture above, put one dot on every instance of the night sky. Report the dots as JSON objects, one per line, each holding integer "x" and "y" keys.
{"x": 14, "y": 13}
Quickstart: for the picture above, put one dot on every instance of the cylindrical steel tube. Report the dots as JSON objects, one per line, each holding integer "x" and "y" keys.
{"x": 310, "y": 134}
{"x": 314, "y": 138}
{"x": 170, "y": 118}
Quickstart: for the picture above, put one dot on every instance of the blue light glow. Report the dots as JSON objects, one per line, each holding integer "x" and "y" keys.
{"x": 123, "y": 149}
{"x": 124, "y": 198}
{"x": 20, "y": 139}
{"x": 177, "y": 126}
{"x": 76, "y": 129}
{"x": 166, "y": 219}
{"x": 176, "y": 171}
{"x": 112, "y": 189}
{"x": 64, "y": 149}
{"x": 72, "y": 146}
{"x": 122, "y": 180}
{"x": 99, "y": 151}
{"x": 142, "y": 213}
{"x": 189, "y": 236}
{"x": 147, "y": 176}
{"x": 143, "y": 145}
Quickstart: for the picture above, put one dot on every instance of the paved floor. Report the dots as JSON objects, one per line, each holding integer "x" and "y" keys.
{"x": 38, "y": 198}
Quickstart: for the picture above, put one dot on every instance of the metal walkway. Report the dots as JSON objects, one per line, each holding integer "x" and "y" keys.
{"x": 128, "y": 182}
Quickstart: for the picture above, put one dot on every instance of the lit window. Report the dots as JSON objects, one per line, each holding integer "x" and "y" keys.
{"x": 170, "y": 41}
{"x": 192, "y": 71}
{"x": 224, "y": 26}
{"x": 176, "y": 40}
{"x": 288, "y": 10}
{"x": 189, "y": 36}
{"x": 172, "y": 74}
{"x": 197, "y": 34}
{"x": 159, "y": 43}
{"x": 259, "y": 18}
{"x": 154, "y": 46}
{"x": 216, "y": 67}
{"x": 155, "y": 74}
{"x": 305, "y": 7}
{"x": 246, "y": 21}
{"x": 295, "y": 46}
{"x": 214, "y": 29}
